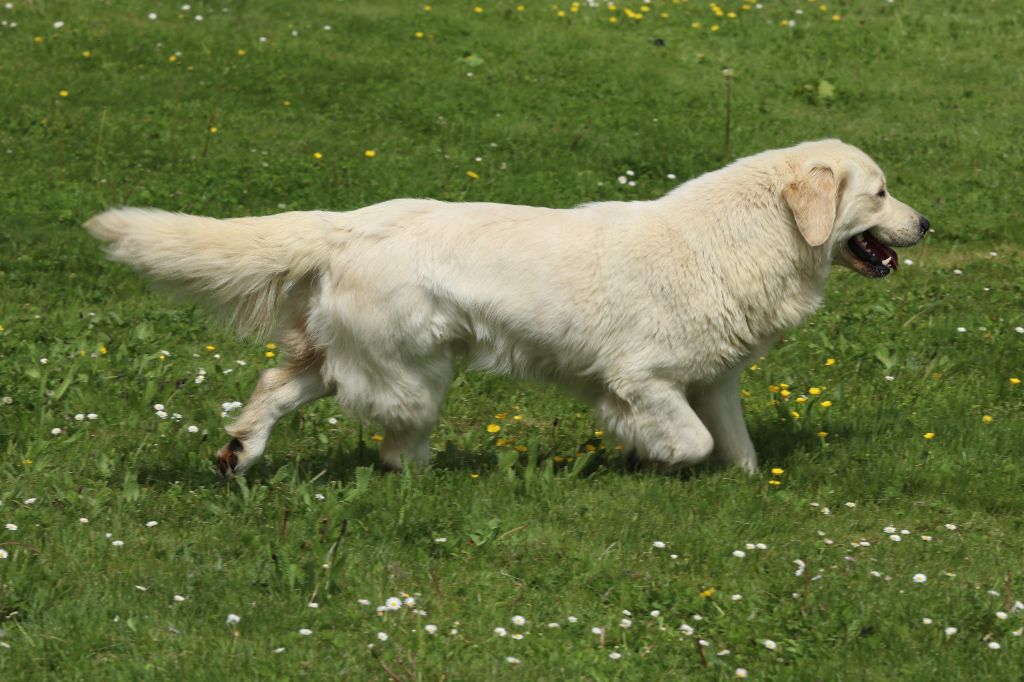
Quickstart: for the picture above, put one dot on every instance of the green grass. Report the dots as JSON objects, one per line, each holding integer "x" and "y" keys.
{"x": 557, "y": 109}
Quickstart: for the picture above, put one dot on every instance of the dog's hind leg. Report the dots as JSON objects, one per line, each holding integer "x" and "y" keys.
{"x": 719, "y": 407}
{"x": 279, "y": 391}
{"x": 654, "y": 417}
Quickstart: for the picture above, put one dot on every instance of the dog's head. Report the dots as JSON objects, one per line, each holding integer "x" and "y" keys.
{"x": 840, "y": 202}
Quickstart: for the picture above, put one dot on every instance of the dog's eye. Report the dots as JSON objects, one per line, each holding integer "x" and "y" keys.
{"x": 881, "y": 193}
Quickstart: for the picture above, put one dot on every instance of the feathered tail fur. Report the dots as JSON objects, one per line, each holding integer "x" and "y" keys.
{"x": 245, "y": 267}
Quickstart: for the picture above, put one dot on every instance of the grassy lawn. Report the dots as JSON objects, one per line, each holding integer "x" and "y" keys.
{"x": 881, "y": 540}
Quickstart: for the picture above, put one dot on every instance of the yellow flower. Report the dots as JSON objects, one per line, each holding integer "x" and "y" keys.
{"x": 370, "y": 153}
{"x": 501, "y": 442}
{"x": 784, "y": 393}
{"x": 590, "y": 448}
{"x": 784, "y": 385}
{"x": 822, "y": 434}
{"x": 561, "y": 13}
{"x": 772, "y": 388}
{"x": 708, "y": 593}
{"x": 473, "y": 175}
{"x": 478, "y": 9}
{"x": 1014, "y": 380}
{"x": 37, "y": 40}
{"x": 774, "y": 482}
{"x": 830, "y": 362}
{"x": 272, "y": 346}
{"x": 929, "y": 435}
{"x": 714, "y": 28}
{"x": 317, "y": 155}
{"x": 836, "y": 17}
{"x": 754, "y": 367}
{"x": 826, "y": 403}
{"x": 103, "y": 350}
{"x": 211, "y": 347}
{"x": 418, "y": 34}
{"x": 501, "y": 415}
{"x": 795, "y": 414}
{"x": 518, "y": 417}
{"x": 613, "y": 20}
{"x": 520, "y": 8}
{"x": 987, "y": 419}
{"x": 814, "y": 390}
{"x": 63, "y": 93}
{"x": 493, "y": 428}
{"x": 173, "y": 58}
{"x": 800, "y": 399}
{"x": 213, "y": 130}
{"x": 427, "y": 8}
{"x": 474, "y": 475}
{"x": 778, "y": 471}
{"x": 86, "y": 53}
{"x": 695, "y": 24}
{"x": 376, "y": 438}
{"x": 521, "y": 448}
{"x": 745, "y": 393}
{"x": 270, "y": 354}
{"x": 241, "y": 53}
{"x": 287, "y": 103}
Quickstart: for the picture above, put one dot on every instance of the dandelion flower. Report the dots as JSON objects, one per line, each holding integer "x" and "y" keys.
{"x": 929, "y": 436}
{"x": 370, "y": 153}
{"x": 778, "y": 471}
{"x": 472, "y": 175}
{"x": 317, "y": 155}
{"x": 1014, "y": 380}
{"x": 493, "y": 428}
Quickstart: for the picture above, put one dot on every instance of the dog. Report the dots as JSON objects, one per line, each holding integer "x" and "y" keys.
{"x": 648, "y": 310}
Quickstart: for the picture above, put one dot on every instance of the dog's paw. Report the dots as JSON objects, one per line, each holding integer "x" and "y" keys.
{"x": 227, "y": 458}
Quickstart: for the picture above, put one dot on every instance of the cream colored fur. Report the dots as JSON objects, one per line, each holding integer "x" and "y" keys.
{"x": 647, "y": 309}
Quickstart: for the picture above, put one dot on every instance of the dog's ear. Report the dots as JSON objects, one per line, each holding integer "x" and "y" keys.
{"x": 814, "y": 200}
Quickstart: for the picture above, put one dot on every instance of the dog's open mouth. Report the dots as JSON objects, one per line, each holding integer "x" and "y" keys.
{"x": 871, "y": 257}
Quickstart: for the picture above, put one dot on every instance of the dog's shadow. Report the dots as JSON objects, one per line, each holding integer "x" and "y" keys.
{"x": 777, "y": 447}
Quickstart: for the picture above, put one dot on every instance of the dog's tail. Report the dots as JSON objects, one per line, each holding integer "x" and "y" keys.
{"x": 247, "y": 268}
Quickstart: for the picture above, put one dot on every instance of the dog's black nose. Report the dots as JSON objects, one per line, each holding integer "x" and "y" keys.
{"x": 924, "y": 224}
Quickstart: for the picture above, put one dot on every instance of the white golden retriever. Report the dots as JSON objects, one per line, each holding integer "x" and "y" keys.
{"x": 647, "y": 309}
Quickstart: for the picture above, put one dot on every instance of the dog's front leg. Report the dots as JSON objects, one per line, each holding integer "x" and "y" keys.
{"x": 718, "y": 406}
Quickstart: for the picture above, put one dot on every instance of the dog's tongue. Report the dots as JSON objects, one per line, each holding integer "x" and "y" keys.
{"x": 887, "y": 256}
